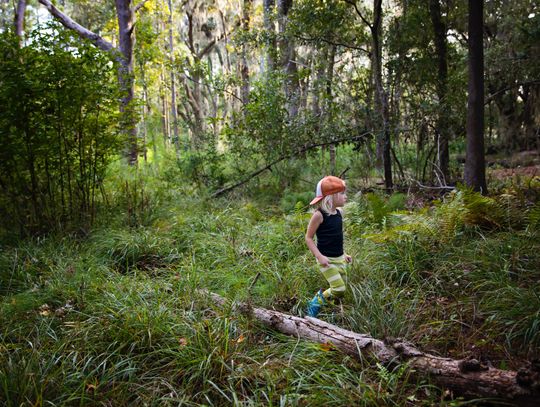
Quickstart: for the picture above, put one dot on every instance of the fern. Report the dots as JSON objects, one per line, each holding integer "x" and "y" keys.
{"x": 482, "y": 211}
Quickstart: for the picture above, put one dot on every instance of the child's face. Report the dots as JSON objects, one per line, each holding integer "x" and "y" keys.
{"x": 340, "y": 198}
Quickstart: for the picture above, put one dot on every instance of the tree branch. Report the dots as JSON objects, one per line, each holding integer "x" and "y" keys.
{"x": 340, "y": 44}
{"x": 67, "y": 22}
{"x": 139, "y": 6}
{"x": 353, "y": 3}
{"x": 515, "y": 85}
{"x": 297, "y": 152}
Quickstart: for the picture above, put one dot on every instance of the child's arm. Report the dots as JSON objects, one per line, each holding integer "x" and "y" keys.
{"x": 348, "y": 258}
{"x": 313, "y": 225}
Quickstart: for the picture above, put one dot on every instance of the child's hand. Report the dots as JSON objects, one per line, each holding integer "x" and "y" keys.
{"x": 323, "y": 261}
{"x": 348, "y": 258}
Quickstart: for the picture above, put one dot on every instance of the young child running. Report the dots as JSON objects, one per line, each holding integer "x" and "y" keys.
{"x": 327, "y": 224}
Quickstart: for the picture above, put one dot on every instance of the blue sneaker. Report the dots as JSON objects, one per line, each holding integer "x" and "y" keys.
{"x": 315, "y": 305}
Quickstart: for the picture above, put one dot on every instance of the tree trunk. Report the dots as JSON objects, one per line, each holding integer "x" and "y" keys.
{"x": 126, "y": 38}
{"x": 475, "y": 168}
{"x": 442, "y": 78}
{"x": 19, "y": 20}
{"x": 164, "y": 111}
{"x": 243, "y": 63}
{"x": 382, "y": 110}
{"x": 467, "y": 377}
{"x": 288, "y": 59}
{"x": 531, "y": 117}
{"x": 269, "y": 63}
{"x": 327, "y": 113}
{"x": 174, "y": 107}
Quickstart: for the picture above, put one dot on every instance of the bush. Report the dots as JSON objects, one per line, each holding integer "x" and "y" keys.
{"x": 59, "y": 109}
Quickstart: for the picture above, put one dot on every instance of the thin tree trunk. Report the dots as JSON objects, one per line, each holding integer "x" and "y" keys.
{"x": 125, "y": 17}
{"x": 288, "y": 58}
{"x": 383, "y": 133}
{"x": 269, "y": 63}
{"x": 531, "y": 117}
{"x": 194, "y": 94}
{"x": 19, "y": 20}
{"x": 164, "y": 112}
{"x": 328, "y": 114}
{"x": 144, "y": 115}
{"x": 244, "y": 67}
{"x": 475, "y": 168}
{"x": 442, "y": 79}
{"x": 174, "y": 107}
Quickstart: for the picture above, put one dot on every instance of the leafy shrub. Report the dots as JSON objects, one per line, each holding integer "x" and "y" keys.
{"x": 59, "y": 109}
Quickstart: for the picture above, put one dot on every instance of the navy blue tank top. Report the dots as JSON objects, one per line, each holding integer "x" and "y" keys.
{"x": 330, "y": 235}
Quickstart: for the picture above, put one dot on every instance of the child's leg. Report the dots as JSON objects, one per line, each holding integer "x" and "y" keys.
{"x": 335, "y": 274}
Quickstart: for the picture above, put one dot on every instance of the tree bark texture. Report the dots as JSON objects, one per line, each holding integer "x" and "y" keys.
{"x": 19, "y": 19}
{"x": 475, "y": 167}
{"x": 125, "y": 16}
{"x": 269, "y": 63}
{"x": 174, "y": 107}
{"x": 382, "y": 110}
{"x": 439, "y": 28}
{"x": 288, "y": 59}
{"x": 244, "y": 67}
{"x": 467, "y": 377}
{"x": 327, "y": 112}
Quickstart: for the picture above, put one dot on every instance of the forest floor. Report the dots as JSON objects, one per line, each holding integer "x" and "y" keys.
{"x": 112, "y": 318}
{"x": 521, "y": 164}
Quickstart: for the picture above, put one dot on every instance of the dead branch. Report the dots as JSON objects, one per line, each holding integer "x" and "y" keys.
{"x": 285, "y": 157}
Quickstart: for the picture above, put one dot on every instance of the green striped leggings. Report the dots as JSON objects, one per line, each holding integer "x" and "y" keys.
{"x": 336, "y": 275}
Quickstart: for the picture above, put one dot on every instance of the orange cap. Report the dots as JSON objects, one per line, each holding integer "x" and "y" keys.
{"x": 328, "y": 186}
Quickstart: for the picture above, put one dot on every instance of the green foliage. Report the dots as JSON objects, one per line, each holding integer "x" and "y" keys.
{"x": 58, "y": 132}
{"x": 296, "y": 202}
{"x": 373, "y": 211}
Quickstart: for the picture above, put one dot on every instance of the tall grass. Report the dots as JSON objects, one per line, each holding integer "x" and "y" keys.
{"x": 115, "y": 317}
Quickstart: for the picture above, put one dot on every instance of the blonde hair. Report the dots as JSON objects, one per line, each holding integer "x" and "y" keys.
{"x": 326, "y": 204}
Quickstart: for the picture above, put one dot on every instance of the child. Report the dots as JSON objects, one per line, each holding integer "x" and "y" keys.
{"x": 327, "y": 224}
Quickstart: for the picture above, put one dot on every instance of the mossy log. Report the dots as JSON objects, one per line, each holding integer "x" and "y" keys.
{"x": 466, "y": 377}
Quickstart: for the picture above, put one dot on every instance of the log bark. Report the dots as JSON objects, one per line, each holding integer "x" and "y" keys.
{"x": 466, "y": 377}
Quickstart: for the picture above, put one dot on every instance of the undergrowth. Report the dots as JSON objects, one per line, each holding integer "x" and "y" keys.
{"x": 115, "y": 317}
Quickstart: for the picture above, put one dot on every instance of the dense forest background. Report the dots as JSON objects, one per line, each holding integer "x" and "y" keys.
{"x": 224, "y": 90}
{"x": 151, "y": 148}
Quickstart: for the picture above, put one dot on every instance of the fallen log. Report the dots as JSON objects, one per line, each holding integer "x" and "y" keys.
{"x": 466, "y": 377}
